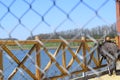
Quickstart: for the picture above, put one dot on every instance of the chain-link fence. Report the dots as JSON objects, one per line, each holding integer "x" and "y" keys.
{"x": 53, "y": 19}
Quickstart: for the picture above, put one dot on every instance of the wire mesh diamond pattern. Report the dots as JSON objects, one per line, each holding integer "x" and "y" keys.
{"x": 69, "y": 33}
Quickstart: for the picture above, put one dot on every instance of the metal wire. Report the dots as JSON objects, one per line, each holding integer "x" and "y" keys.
{"x": 21, "y": 19}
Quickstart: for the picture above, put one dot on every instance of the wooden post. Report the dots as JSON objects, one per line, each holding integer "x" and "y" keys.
{"x": 117, "y": 39}
{"x": 64, "y": 57}
{"x": 84, "y": 53}
{"x": 84, "y": 57}
{"x": 118, "y": 19}
{"x": 38, "y": 63}
{"x": 1, "y": 65}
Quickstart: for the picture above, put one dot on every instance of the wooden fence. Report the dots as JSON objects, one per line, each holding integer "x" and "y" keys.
{"x": 82, "y": 59}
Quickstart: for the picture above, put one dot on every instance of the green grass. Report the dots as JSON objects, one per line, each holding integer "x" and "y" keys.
{"x": 90, "y": 44}
{"x": 48, "y": 44}
{"x": 20, "y": 47}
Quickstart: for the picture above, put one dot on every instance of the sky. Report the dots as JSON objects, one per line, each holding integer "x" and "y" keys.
{"x": 23, "y": 18}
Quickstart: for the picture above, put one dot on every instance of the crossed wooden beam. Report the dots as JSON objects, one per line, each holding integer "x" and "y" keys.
{"x": 63, "y": 68}
{"x": 20, "y": 64}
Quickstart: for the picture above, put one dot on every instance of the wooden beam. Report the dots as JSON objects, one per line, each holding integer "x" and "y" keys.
{"x": 1, "y": 64}
{"x": 54, "y": 55}
{"x": 84, "y": 53}
{"x": 38, "y": 63}
{"x": 64, "y": 57}
{"x": 13, "y": 42}
{"x": 74, "y": 72}
{"x": 62, "y": 70}
{"x": 18, "y": 62}
{"x": 98, "y": 57}
{"x": 92, "y": 56}
{"x": 31, "y": 42}
{"x": 76, "y": 58}
{"x": 38, "y": 59}
{"x": 23, "y": 60}
{"x": 72, "y": 60}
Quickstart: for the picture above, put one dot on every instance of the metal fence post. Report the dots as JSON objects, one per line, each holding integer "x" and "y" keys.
{"x": 118, "y": 19}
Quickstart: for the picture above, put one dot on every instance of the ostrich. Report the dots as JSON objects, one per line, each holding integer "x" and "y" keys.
{"x": 110, "y": 51}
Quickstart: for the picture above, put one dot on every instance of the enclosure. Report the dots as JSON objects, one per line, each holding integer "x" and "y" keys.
{"x": 66, "y": 30}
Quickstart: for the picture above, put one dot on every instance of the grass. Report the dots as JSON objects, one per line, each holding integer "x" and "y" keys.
{"x": 20, "y": 47}
{"x": 48, "y": 44}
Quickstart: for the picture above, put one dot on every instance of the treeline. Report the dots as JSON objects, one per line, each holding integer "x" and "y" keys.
{"x": 95, "y": 32}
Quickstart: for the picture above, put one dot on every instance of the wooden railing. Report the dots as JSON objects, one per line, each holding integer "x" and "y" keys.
{"x": 87, "y": 57}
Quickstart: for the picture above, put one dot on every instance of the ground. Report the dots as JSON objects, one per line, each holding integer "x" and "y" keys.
{"x": 107, "y": 77}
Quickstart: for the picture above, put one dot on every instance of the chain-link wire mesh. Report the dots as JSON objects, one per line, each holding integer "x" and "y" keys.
{"x": 53, "y": 19}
